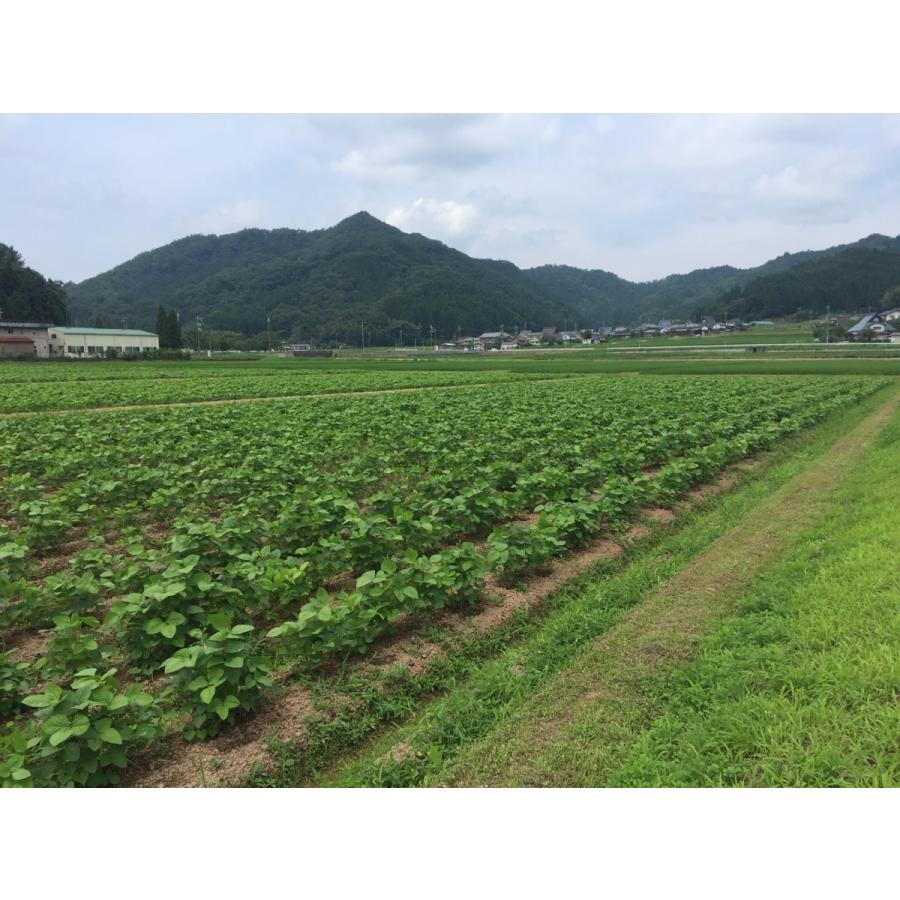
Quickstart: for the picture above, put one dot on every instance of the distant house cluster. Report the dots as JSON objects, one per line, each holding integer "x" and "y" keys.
{"x": 551, "y": 335}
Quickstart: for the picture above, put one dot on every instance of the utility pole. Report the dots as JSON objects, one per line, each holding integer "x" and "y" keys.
{"x": 362, "y": 333}
{"x": 828, "y": 324}
{"x": 269, "y": 334}
{"x": 198, "y": 334}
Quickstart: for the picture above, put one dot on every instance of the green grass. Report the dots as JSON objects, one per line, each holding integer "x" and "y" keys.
{"x": 488, "y": 691}
{"x": 801, "y": 688}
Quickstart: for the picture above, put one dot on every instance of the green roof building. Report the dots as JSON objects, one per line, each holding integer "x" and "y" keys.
{"x": 88, "y": 342}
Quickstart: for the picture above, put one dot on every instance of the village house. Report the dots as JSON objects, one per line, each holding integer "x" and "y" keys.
{"x": 494, "y": 337}
{"x": 873, "y": 324}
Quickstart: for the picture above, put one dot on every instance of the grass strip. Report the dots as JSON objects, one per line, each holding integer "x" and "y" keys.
{"x": 485, "y": 693}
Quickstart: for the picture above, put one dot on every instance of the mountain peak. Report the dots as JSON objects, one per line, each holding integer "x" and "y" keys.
{"x": 362, "y": 219}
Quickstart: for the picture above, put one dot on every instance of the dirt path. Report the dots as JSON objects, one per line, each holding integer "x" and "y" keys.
{"x": 306, "y": 396}
{"x": 575, "y": 728}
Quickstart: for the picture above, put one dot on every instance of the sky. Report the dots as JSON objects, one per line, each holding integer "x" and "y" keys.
{"x": 642, "y": 196}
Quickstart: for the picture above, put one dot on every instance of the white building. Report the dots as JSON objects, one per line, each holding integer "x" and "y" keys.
{"x": 85, "y": 342}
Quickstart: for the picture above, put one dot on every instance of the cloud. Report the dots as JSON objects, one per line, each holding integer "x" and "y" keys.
{"x": 640, "y": 195}
{"x": 428, "y": 216}
{"x": 788, "y": 191}
{"x": 397, "y": 150}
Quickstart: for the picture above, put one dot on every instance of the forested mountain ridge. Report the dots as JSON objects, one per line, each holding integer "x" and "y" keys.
{"x": 851, "y": 280}
{"x": 721, "y": 290}
{"x": 360, "y": 274}
{"x": 364, "y": 276}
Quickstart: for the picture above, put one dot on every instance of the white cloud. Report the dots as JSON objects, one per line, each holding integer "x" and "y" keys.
{"x": 640, "y": 195}
{"x": 795, "y": 194}
{"x": 428, "y": 215}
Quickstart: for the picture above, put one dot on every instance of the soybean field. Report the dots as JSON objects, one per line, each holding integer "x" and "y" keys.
{"x": 191, "y": 577}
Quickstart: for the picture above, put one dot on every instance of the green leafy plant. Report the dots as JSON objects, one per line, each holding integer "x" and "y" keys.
{"x": 73, "y": 646}
{"x": 14, "y": 684}
{"x": 220, "y": 676}
{"x": 86, "y": 731}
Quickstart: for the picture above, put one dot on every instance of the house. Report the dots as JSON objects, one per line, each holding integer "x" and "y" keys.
{"x": 80, "y": 343}
{"x": 509, "y": 345}
{"x": 470, "y": 344}
{"x": 494, "y": 337}
{"x": 528, "y": 338}
{"x": 648, "y": 329}
{"x": 664, "y": 326}
{"x": 296, "y": 348}
{"x": 25, "y": 340}
{"x": 873, "y": 324}
{"x": 892, "y": 315}
{"x": 719, "y": 326}
{"x": 569, "y": 337}
{"x": 620, "y": 332}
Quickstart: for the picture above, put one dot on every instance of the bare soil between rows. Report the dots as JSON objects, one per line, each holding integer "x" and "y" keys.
{"x": 226, "y": 760}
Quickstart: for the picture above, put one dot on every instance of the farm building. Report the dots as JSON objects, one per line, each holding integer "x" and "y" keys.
{"x": 86, "y": 342}
{"x": 28, "y": 340}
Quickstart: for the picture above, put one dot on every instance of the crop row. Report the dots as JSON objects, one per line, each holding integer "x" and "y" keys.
{"x": 62, "y": 395}
{"x": 326, "y": 520}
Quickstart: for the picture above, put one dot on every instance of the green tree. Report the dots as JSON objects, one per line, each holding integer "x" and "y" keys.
{"x": 162, "y": 327}
{"x": 25, "y": 295}
{"x": 176, "y": 342}
{"x": 891, "y": 297}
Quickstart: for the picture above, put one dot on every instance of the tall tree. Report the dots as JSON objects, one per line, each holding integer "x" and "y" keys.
{"x": 174, "y": 331}
{"x": 162, "y": 327}
{"x": 25, "y": 295}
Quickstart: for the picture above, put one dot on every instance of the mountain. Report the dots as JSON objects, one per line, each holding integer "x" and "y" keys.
{"x": 846, "y": 276}
{"x": 846, "y": 280}
{"x": 321, "y": 284}
{"x": 136, "y": 287}
{"x": 25, "y": 295}
{"x": 362, "y": 273}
